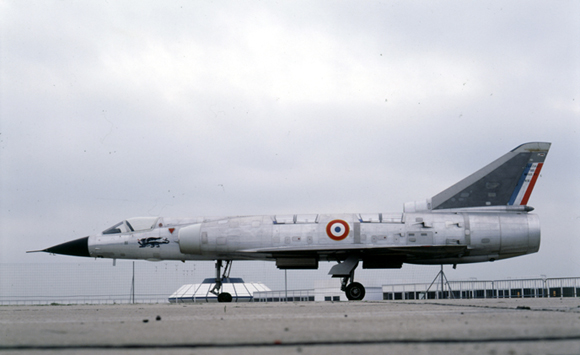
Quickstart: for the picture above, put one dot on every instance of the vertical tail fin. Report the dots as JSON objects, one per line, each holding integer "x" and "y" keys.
{"x": 508, "y": 180}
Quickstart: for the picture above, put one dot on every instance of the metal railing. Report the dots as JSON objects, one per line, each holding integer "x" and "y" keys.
{"x": 509, "y": 288}
{"x": 82, "y": 299}
{"x": 284, "y": 296}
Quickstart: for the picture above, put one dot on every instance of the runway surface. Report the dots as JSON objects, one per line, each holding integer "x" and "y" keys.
{"x": 502, "y": 326}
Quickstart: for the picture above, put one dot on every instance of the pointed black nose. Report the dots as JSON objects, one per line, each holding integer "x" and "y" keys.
{"x": 77, "y": 247}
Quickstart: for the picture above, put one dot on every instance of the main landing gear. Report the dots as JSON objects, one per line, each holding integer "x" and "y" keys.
{"x": 354, "y": 291}
{"x": 221, "y": 296}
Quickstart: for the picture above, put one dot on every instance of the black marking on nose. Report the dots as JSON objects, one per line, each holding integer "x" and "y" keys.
{"x": 77, "y": 247}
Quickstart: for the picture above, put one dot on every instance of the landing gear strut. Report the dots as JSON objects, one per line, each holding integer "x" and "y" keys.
{"x": 221, "y": 296}
{"x": 354, "y": 291}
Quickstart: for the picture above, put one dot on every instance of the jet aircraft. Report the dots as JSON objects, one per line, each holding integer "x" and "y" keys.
{"x": 484, "y": 217}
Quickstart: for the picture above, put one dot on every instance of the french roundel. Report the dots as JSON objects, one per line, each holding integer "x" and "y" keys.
{"x": 337, "y": 229}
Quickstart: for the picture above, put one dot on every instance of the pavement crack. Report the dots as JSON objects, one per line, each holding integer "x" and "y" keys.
{"x": 279, "y": 343}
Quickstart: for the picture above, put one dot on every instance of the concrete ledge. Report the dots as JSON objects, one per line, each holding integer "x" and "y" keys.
{"x": 320, "y": 327}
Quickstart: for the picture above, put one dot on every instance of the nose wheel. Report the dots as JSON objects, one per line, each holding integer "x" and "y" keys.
{"x": 224, "y": 297}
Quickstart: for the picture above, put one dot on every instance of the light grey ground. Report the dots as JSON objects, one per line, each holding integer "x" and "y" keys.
{"x": 521, "y": 326}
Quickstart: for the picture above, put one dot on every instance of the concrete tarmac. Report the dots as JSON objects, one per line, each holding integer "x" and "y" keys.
{"x": 500, "y": 326}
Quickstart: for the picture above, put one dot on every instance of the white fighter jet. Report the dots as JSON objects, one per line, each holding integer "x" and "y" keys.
{"x": 484, "y": 217}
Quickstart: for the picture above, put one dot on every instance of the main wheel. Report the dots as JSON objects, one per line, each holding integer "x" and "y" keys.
{"x": 224, "y": 297}
{"x": 355, "y": 291}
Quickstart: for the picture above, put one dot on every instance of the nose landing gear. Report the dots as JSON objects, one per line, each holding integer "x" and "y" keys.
{"x": 221, "y": 296}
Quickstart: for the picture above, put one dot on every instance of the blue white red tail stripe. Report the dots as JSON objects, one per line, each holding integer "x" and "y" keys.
{"x": 525, "y": 185}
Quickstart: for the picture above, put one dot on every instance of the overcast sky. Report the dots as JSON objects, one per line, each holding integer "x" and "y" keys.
{"x": 110, "y": 110}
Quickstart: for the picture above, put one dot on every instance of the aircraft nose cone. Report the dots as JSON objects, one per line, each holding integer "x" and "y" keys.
{"x": 77, "y": 247}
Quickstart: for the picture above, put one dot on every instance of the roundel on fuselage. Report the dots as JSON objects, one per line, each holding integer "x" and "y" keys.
{"x": 337, "y": 229}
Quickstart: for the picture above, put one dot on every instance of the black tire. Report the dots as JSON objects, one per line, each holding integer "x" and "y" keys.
{"x": 224, "y": 297}
{"x": 355, "y": 291}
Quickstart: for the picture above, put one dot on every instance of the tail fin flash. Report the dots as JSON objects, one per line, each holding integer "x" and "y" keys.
{"x": 507, "y": 181}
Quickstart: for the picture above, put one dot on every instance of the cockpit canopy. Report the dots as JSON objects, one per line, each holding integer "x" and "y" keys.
{"x": 132, "y": 225}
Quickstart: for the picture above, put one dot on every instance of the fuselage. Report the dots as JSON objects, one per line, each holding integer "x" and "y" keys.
{"x": 300, "y": 241}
